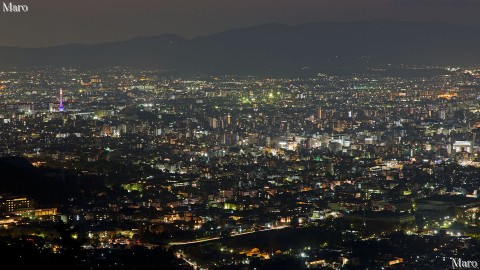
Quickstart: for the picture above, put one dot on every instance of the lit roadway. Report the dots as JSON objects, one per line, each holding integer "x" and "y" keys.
{"x": 216, "y": 238}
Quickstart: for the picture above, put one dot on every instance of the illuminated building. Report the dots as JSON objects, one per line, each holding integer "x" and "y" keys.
{"x": 11, "y": 204}
{"x": 60, "y": 107}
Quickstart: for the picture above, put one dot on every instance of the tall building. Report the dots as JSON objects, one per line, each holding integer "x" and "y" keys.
{"x": 213, "y": 122}
{"x": 442, "y": 114}
{"x": 320, "y": 113}
{"x": 228, "y": 119}
{"x": 60, "y": 107}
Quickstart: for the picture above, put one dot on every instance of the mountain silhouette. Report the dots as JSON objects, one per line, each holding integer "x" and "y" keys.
{"x": 20, "y": 177}
{"x": 272, "y": 48}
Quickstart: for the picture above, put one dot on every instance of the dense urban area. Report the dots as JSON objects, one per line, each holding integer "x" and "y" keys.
{"x": 125, "y": 168}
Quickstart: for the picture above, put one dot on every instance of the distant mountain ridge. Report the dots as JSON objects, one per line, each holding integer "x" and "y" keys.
{"x": 272, "y": 47}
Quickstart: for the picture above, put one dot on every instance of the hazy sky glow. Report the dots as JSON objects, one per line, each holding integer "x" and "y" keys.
{"x": 53, "y": 22}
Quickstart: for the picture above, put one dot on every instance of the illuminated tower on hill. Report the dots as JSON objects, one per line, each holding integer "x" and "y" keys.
{"x": 60, "y": 107}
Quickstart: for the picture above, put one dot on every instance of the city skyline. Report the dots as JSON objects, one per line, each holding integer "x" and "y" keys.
{"x": 258, "y": 134}
{"x": 340, "y": 170}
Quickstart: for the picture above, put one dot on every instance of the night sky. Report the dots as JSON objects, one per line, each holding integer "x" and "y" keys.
{"x": 53, "y": 22}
